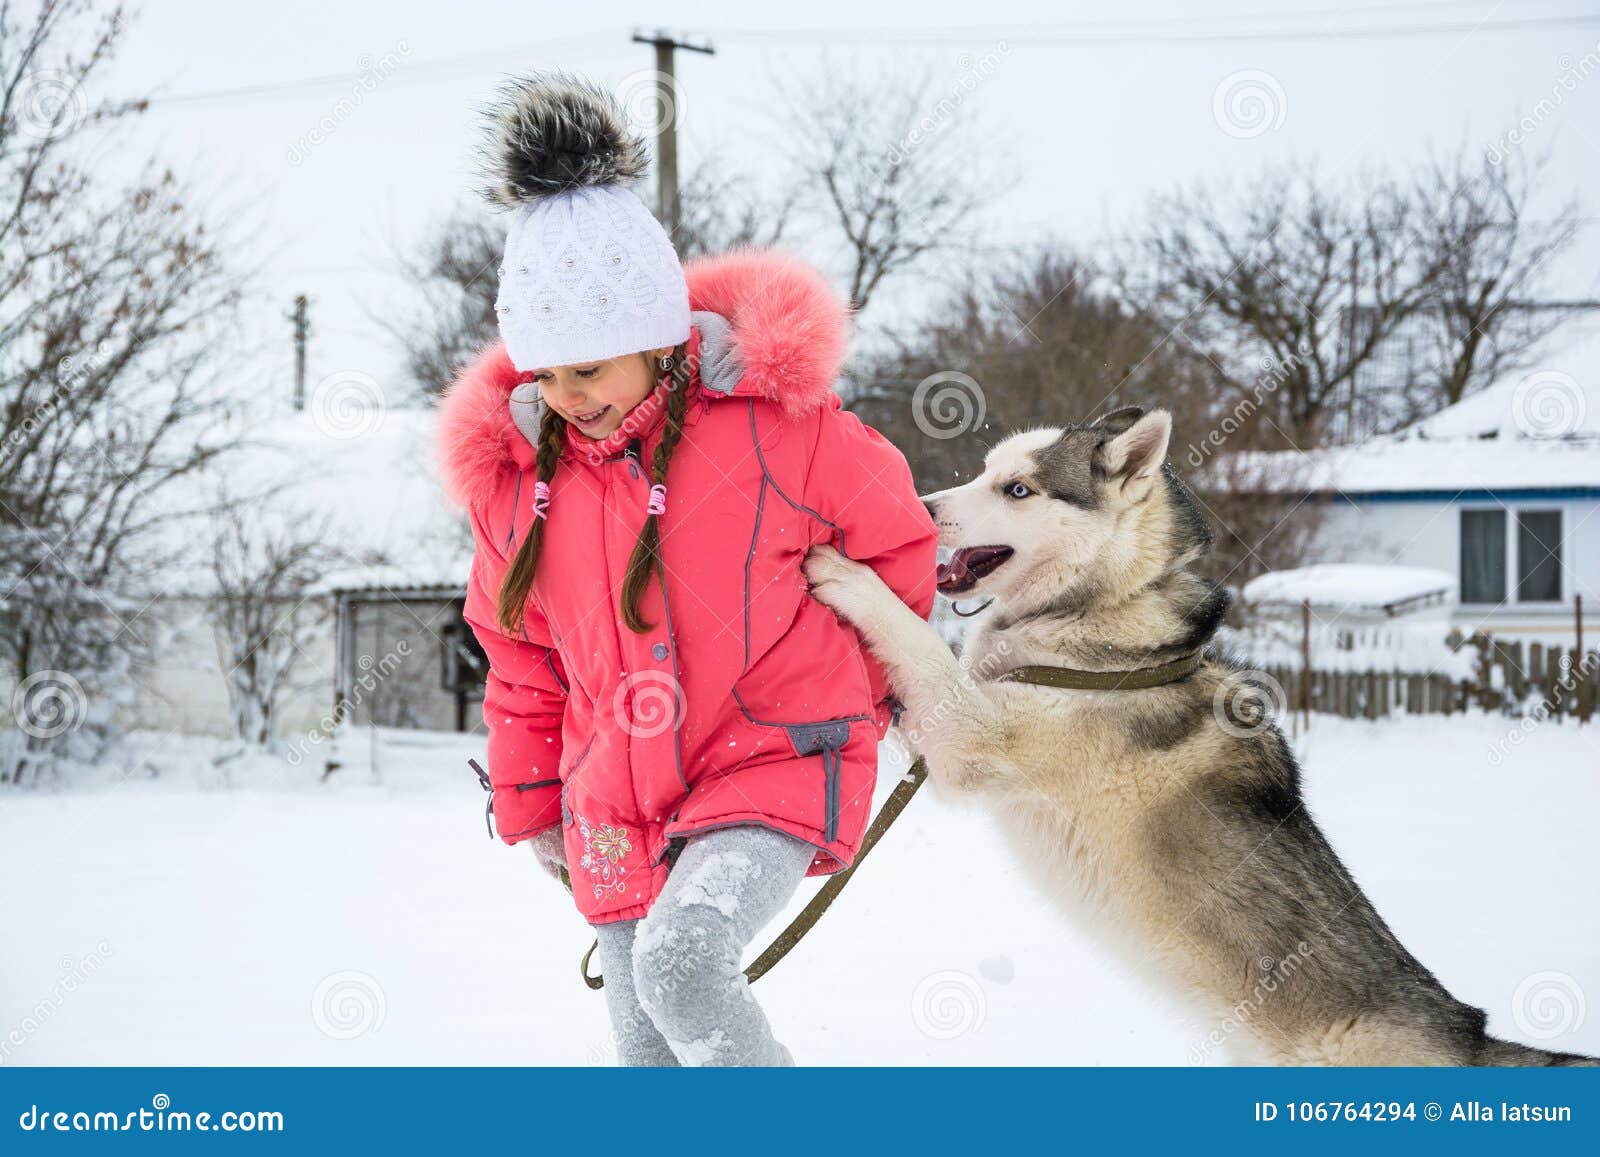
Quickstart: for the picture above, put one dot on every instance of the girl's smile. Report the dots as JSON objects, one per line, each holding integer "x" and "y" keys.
{"x": 595, "y": 397}
{"x": 590, "y": 420}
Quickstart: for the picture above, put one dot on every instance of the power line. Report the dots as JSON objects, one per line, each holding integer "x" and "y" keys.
{"x": 1044, "y": 34}
{"x": 1098, "y": 33}
{"x": 406, "y": 73}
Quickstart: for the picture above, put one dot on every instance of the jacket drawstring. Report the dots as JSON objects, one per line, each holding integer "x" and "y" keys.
{"x": 488, "y": 806}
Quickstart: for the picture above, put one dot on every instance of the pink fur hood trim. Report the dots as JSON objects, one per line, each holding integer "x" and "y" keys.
{"x": 790, "y": 331}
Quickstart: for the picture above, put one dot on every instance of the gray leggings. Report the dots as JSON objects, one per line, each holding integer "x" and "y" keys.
{"x": 674, "y": 988}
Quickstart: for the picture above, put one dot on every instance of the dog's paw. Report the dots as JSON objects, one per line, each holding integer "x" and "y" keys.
{"x": 838, "y": 582}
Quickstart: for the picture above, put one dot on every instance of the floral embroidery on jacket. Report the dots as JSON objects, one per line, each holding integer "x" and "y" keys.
{"x": 604, "y": 847}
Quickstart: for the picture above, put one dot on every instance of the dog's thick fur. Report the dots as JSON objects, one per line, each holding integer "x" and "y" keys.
{"x": 1169, "y": 819}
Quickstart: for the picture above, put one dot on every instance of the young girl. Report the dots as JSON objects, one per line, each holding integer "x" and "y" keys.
{"x": 671, "y": 716}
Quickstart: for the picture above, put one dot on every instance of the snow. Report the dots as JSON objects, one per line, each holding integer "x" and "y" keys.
{"x": 1391, "y": 465}
{"x": 182, "y": 921}
{"x": 1349, "y": 585}
{"x": 715, "y": 883}
{"x": 1562, "y": 389}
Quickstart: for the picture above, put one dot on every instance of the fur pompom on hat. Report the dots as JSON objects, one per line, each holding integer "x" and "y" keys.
{"x": 589, "y": 274}
{"x": 554, "y": 132}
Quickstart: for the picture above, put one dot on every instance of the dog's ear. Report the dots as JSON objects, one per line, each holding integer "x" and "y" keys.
{"x": 1119, "y": 421}
{"x": 1135, "y": 456}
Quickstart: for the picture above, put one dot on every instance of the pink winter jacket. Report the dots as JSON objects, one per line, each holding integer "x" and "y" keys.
{"x": 748, "y": 702}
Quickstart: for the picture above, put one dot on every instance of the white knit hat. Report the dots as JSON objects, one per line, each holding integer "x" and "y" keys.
{"x": 588, "y": 272}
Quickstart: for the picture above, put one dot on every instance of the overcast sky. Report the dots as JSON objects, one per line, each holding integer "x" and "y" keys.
{"x": 1094, "y": 116}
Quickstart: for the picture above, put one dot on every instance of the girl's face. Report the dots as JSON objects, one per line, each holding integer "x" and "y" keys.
{"x": 594, "y": 397}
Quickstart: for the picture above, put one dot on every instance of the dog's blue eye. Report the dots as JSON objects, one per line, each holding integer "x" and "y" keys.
{"x": 1018, "y": 490}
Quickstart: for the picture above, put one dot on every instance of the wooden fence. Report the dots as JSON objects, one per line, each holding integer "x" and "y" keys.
{"x": 1513, "y": 678}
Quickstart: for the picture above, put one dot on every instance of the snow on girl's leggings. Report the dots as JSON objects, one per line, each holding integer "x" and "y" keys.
{"x": 674, "y": 988}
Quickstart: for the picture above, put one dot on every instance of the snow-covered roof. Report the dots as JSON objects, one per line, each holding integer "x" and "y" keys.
{"x": 1353, "y": 586}
{"x": 1538, "y": 429}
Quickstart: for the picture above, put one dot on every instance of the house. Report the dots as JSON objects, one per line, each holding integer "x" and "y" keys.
{"x": 1500, "y": 492}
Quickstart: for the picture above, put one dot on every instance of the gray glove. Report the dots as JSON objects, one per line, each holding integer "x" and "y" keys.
{"x": 550, "y": 848}
{"x": 720, "y": 366}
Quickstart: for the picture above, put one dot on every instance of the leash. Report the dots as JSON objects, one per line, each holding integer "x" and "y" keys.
{"x": 1039, "y": 675}
{"x": 1137, "y": 679}
{"x": 812, "y": 912}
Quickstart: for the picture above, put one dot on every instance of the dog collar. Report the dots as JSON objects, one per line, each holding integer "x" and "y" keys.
{"x": 1137, "y": 679}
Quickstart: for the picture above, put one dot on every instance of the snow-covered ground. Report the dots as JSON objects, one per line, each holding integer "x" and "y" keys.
{"x": 195, "y": 923}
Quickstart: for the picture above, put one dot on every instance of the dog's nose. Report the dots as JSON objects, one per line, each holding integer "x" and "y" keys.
{"x": 932, "y": 507}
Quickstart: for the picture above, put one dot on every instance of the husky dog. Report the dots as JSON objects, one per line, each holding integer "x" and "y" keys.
{"x": 1169, "y": 818}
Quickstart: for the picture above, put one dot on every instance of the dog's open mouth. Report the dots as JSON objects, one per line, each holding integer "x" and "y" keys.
{"x": 967, "y": 566}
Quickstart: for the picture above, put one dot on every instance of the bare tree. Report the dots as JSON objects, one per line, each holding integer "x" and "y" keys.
{"x": 263, "y": 613}
{"x": 1296, "y": 274}
{"x": 1042, "y": 340}
{"x": 452, "y": 318}
{"x": 723, "y": 209}
{"x": 112, "y": 305}
{"x": 891, "y": 164}
{"x": 1486, "y": 316}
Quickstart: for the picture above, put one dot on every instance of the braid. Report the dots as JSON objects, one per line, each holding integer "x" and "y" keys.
{"x": 646, "y": 559}
{"x": 518, "y": 583}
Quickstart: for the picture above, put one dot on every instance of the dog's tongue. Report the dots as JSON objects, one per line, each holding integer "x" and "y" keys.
{"x": 967, "y": 566}
{"x": 953, "y": 575}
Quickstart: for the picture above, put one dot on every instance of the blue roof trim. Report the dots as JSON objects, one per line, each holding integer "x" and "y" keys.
{"x": 1545, "y": 495}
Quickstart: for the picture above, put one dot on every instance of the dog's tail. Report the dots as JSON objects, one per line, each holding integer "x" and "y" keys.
{"x": 1494, "y": 1051}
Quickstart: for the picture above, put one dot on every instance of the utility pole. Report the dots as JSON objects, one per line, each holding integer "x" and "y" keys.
{"x": 668, "y": 210}
{"x": 301, "y": 328}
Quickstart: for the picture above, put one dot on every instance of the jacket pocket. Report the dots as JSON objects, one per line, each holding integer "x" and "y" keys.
{"x": 827, "y": 738}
